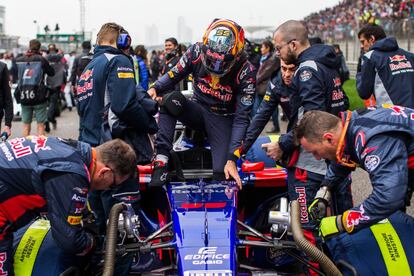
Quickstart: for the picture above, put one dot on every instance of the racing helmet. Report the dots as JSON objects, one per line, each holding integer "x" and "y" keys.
{"x": 223, "y": 43}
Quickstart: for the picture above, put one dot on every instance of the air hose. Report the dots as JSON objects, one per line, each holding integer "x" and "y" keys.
{"x": 312, "y": 251}
{"x": 111, "y": 239}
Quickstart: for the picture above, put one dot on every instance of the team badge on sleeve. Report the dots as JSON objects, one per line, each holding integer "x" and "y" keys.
{"x": 371, "y": 162}
{"x": 305, "y": 75}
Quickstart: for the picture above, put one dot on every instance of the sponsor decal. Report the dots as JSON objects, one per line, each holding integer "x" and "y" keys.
{"x": 207, "y": 255}
{"x": 215, "y": 55}
{"x": 86, "y": 86}
{"x": 337, "y": 82}
{"x": 214, "y": 82}
{"x": 164, "y": 176}
{"x": 129, "y": 198}
{"x": 86, "y": 75}
{"x": 171, "y": 74}
{"x": 196, "y": 190}
{"x": 398, "y": 58}
{"x": 3, "y": 259}
{"x": 367, "y": 150}
{"x": 215, "y": 93}
{"x": 197, "y": 50}
{"x": 28, "y": 74}
{"x": 74, "y": 220}
{"x": 243, "y": 73}
{"x": 40, "y": 143}
{"x": 284, "y": 99}
{"x": 399, "y": 64}
{"x": 371, "y": 162}
{"x": 6, "y": 152}
{"x": 177, "y": 102}
{"x": 266, "y": 98}
{"x": 18, "y": 149}
{"x": 124, "y": 69}
{"x": 305, "y": 75}
{"x": 398, "y": 111}
{"x": 353, "y": 217}
{"x": 78, "y": 198}
{"x": 181, "y": 64}
{"x": 124, "y": 75}
{"x": 247, "y": 100}
{"x": 337, "y": 95}
{"x": 301, "y": 191}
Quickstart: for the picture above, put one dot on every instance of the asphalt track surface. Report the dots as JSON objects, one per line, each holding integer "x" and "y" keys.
{"x": 68, "y": 123}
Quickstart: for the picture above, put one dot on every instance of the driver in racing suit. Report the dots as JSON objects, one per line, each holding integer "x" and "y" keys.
{"x": 224, "y": 86}
{"x": 39, "y": 174}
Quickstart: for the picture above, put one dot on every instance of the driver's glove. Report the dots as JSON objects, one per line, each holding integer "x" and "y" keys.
{"x": 331, "y": 226}
{"x": 318, "y": 208}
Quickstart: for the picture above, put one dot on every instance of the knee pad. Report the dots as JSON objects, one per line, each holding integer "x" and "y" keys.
{"x": 174, "y": 103}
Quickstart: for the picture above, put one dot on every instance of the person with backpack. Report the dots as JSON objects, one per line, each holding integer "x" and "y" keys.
{"x": 31, "y": 89}
{"x": 55, "y": 84}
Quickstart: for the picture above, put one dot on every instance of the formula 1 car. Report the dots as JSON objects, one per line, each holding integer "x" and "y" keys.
{"x": 199, "y": 225}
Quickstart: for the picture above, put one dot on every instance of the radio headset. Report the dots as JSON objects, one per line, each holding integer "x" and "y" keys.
{"x": 124, "y": 40}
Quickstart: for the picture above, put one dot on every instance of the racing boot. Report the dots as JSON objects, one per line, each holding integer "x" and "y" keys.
{"x": 159, "y": 174}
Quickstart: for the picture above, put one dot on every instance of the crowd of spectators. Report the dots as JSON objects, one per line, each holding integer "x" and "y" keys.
{"x": 341, "y": 21}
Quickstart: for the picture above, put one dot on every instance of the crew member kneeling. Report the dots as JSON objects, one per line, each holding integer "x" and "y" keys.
{"x": 53, "y": 175}
{"x": 380, "y": 142}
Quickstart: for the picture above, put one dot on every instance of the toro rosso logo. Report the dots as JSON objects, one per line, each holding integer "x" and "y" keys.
{"x": 207, "y": 255}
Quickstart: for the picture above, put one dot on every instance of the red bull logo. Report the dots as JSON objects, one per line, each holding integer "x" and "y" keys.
{"x": 215, "y": 84}
{"x": 398, "y": 58}
{"x": 214, "y": 55}
{"x": 400, "y": 64}
{"x": 301, "y": 191}
{"x": 86, "y": 75}
{"x": 398, "y": 111}
{"x": 40, "y": 143}
{"x": 353, "y": 217}
{"x": 18, "y": 148}
{"x": 337, "y": 82}
{"x": 3, "y": 259}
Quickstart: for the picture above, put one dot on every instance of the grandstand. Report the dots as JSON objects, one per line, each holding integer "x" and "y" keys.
{"x": 340, "y": 24}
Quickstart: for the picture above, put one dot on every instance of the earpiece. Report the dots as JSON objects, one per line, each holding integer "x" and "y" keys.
{"x": 124, "y": 41}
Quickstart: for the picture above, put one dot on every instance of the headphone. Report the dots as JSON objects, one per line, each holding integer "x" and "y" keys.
{"x": 124, "y": 40}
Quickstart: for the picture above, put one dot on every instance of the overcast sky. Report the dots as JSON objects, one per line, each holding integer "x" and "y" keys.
{"x": 137, "y": 15}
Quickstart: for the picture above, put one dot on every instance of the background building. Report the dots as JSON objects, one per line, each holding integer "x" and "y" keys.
{"x": 6, "y": 42}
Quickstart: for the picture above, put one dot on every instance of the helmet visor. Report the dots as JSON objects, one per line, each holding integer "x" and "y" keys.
{"x": 215, "y": 63}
